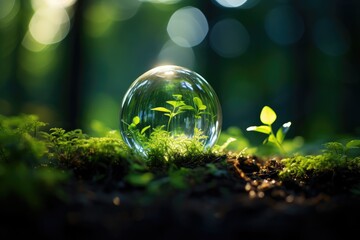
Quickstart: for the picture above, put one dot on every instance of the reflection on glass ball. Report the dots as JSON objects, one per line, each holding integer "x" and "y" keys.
{"x": 173, "y": 99}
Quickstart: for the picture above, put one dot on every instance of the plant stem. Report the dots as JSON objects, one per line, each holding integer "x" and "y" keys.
{"x": 168, "y": 125}
{"x": 278, "y": 144}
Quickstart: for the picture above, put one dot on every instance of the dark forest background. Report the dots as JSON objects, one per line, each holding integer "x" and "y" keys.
{"x": 71, "y": 62}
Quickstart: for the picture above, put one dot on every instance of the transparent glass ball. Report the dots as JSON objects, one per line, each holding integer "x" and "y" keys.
{"x": 171, "y": 98}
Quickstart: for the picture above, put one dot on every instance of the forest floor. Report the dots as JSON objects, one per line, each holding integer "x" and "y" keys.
{"x": 232, "y": 198}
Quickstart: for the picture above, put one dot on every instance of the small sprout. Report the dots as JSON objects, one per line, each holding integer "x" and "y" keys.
{"x": 135, "y": 122}
{"x": 268, "y": 117}
{"x": 178, "y": 106}
{"x": 132, "y": 127}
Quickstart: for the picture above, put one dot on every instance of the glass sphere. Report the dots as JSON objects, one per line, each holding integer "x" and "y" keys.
{"x": 171, "y": 98}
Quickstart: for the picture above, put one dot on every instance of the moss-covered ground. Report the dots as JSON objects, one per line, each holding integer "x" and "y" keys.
{"x": 57, "y": 184}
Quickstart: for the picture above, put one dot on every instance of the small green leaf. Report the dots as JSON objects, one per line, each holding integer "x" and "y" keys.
{"x": 280, "y": 135}
{"x": 136, "y": 120}
{"x": 144, "y": 129}
{"x": 176, "y": 103}
{"x": 353, "y": 144}
{"x": 267, "y": 115}
{"x": 161, "y": 109}
{"x": 199, "y": 103}
{"x": 187, "y": 107}
{"x": 261, "y": 129}
{"x": 173, "y": 103}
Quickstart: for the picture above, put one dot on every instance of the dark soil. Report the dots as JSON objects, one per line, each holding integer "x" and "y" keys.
{"x": 243, "y": 200}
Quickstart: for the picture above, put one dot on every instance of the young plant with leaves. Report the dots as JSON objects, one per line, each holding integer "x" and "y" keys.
{"x": 268, "y": 117}
{"x": 132, "y": 128}
{"x": 177, "y": 106}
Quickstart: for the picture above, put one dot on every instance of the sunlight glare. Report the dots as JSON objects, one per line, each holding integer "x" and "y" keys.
{"x": 187, "y": 27}
{"x": 49, "y": 25}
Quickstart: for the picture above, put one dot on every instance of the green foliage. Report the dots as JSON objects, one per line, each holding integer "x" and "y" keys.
{"x": 334, "y": 156}
{"x": 232, "y": 139}
{"x": 23, "y": 166}
{"x": 178, "y": 106}
{"x": 87, "y": 156}
{"x": 163, "y": 148}
{"x": 268, "y": 117}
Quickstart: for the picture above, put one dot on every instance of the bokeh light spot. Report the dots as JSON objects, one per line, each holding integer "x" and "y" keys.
{"x": 37, "y": 4}
{"x": 6, "y": 7}
{"x": 231, "y": 3}
{"x": 187, "y": 27}
{"x": 49, "y": 25}
{"x": 173, "y": 54}
{"x": 331, "y": 38}
{"x": 229, "y": 38}
{"x": 284, "y": 25}
{"x": 31, "y": 44}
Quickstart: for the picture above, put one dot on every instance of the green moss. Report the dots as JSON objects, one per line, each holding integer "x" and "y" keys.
{"x": 335, "y": 157}
{"x": 88, "y": 157}
{"x": 164, "y": 150}
{"x": 34, "y": 164}
{"x": 23, "y": 164}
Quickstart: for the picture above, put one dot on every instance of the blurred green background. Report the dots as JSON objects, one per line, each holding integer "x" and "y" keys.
{"x": 71, "y": 61}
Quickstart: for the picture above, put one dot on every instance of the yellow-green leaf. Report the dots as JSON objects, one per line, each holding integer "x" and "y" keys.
{"x": 136, "y": 120}
{"x": 267, "y": 115}
{"x": 187, "y": 107}
{"x": 261, "y": 129}
{"x": 161, "y": 109}
{"x": 198, "y": 102}
{"x": 144, "y": 129}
